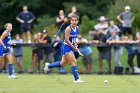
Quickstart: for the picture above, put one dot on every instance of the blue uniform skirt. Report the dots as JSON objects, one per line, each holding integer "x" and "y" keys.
{"x": 3, "y": 52}
{"x": 65, "y": 49}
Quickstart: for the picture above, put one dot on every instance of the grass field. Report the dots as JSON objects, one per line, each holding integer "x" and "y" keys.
{"x": 56, "y": 83}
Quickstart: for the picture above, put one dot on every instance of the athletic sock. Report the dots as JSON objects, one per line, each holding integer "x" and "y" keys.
{"x": 55, "y": 64}
{"x": 10, "y": 69}
{"x": 75, "y": 72}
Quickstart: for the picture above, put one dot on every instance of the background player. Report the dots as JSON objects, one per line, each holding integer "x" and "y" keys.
{"x": 5, "y": 48}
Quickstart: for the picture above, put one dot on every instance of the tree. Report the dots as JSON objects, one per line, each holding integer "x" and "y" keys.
{"x": 10, "y": 8}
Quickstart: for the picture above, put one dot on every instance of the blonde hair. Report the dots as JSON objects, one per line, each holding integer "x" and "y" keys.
{"x": 7, "y": 24}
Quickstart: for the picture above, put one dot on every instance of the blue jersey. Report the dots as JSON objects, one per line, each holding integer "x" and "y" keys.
{"x": 6, "y": 43}
{"x": 73, "y": 34}
{"x": 7, "y": 39}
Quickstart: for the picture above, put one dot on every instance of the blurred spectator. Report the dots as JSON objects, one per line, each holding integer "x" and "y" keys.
{"x": 137, "y": 49}
{"x": 126, "y": 18}
{"x": 18, "y": 53}
{"x": 112, "y": 28}
{"x": 35, "y": 56}
{"x": 130, "y": 51}
{"x": 104, "y": 51}
{"x": 61, "y": 18}
{"x": 41, "y": 50}
{"x": 48, "y": 51}
{"x": 87, "y": 53}
{"x": 57, "y": 48}
{"x": 102, "y": 25}
{"x": 63, "y": 27}
{"x": 25, "y": 18}
{"x": 74, "y": 11}
{"x": 114, "y": 38}
{"x": 62, "y": 22}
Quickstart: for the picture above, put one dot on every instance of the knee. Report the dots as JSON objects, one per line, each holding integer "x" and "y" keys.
{"x": 74, "y": 63}
{"x": 63, "y": 64}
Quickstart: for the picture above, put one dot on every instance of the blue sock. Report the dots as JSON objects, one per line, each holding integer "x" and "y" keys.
{"x": 75, "y": 72}
{"x": 55, "y": 64}
{"x": 10, "y": 69}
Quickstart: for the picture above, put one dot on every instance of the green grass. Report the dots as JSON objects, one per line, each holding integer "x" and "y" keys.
{"x": 55, "y": 83}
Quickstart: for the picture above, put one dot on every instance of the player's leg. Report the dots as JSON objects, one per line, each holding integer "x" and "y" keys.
{"x": 64, "y": 61}
{"x": 9, "y": 58}
{"x": 61, "y": 63}
{"x": 1, "y": 63}
{"x": 71, "y": 58}
{"x": 1, "y": 57}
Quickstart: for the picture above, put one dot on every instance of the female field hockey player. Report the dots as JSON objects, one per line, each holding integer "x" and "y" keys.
{"x": 68, "y": 49}
{"x": 5, "y": 48}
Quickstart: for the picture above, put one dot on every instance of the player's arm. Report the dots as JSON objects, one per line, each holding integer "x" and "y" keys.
{"x": 67, "y": 36}
{"x": 2, "y": 37}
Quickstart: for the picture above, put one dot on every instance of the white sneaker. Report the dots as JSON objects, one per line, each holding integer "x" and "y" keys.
{"x": 13, "y": 77}
{"x": 79, "y": 81}
{"x": 46, "y": 69}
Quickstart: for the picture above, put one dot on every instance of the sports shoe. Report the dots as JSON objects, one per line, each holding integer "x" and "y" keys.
{"x": 13, "y": 77}
{"x": 79, "y": 81}
{"x": 46, "y": 69}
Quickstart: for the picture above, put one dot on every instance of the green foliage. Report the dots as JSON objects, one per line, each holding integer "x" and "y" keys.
{"x": 93, "y": 9}
{"x": 137, "y": 21}
{"x": 52, "y": 29}
{"x": 86, "y": 25}
{"x": 10, "y": 8}
{"x": 118, "y": 7}
{"x": 45, "y": 22}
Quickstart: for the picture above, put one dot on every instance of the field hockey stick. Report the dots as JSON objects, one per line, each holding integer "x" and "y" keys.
{"x": 79, "y": 51}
